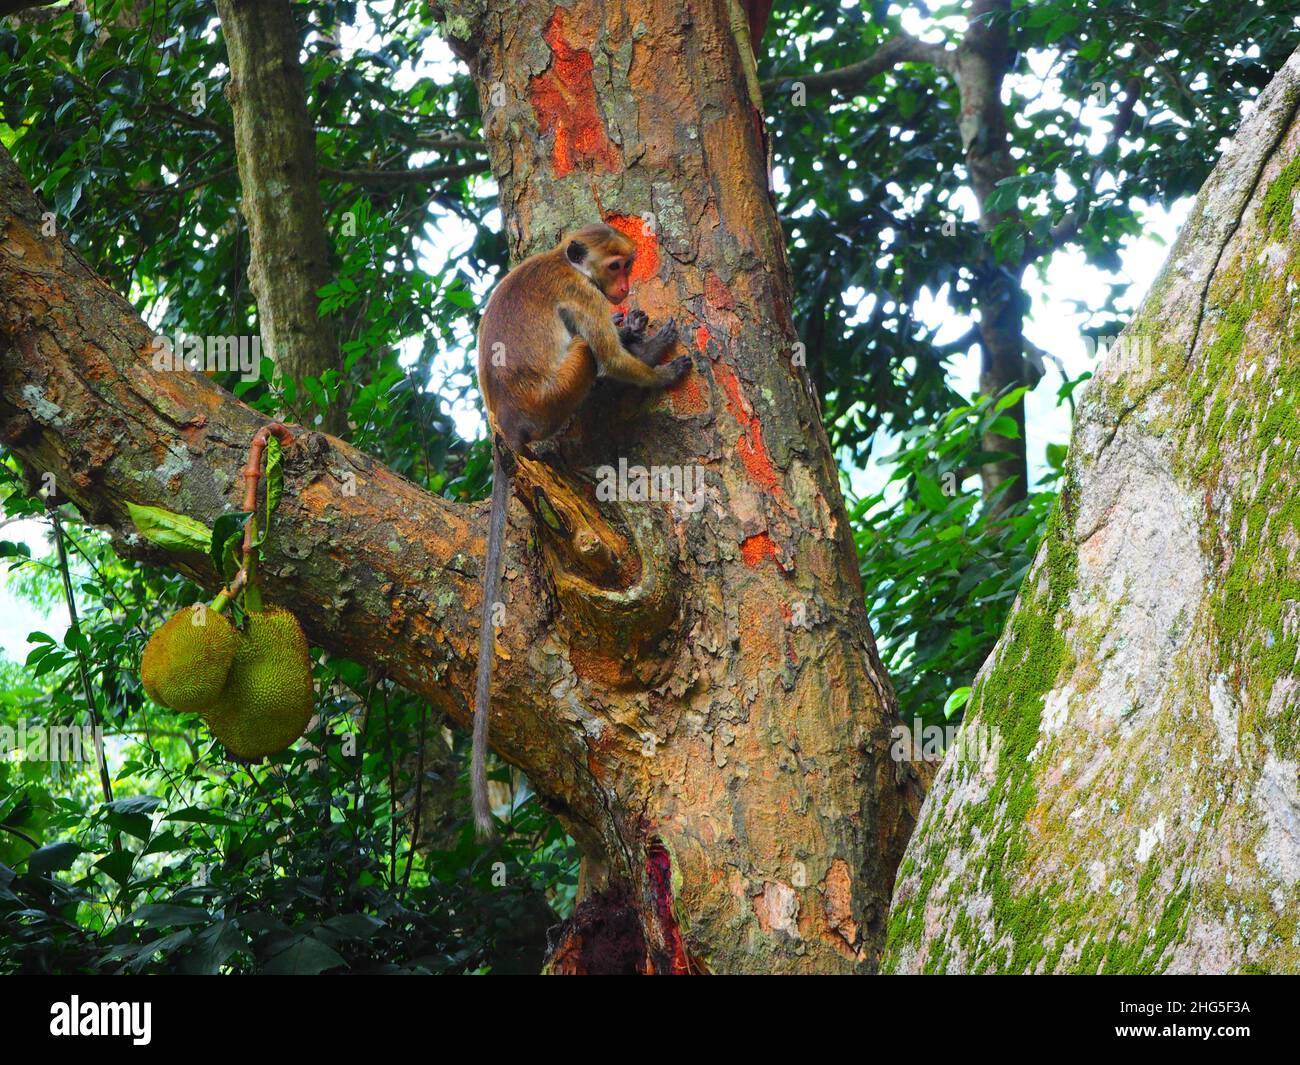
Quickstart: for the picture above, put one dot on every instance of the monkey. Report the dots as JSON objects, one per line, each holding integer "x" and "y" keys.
{"x": 545, "y": 337}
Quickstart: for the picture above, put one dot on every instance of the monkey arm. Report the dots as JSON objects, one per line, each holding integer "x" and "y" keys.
{"x": 631, "y": 332}
{"x": 631, "y": 370}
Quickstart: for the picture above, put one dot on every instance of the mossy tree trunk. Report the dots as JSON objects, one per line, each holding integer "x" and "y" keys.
{"x": 694, "y": 690}
{"x": 275, "y": 147}
{"x": 1138, "y": 805}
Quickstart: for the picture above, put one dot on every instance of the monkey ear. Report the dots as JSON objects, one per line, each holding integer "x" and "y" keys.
{"x": 576, "y": 252}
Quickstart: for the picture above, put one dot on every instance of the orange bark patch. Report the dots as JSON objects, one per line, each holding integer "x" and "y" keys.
{"x": 689, "y": 396}
{"x": 720, "y": 298}
{"x": 756, "y": 548}
{"x": 750, "y": 447}
{"x": 596, "y": 668}
{"x": 316, "y": 498}
{"x": 564, "y": 100}
{"x": 646, "y": 263}
{"x": 761, "y": 636}
{"x": 837, "y": 891}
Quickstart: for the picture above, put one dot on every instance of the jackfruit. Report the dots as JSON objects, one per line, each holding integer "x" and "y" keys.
{"x": 268, "y": 699}
{"x": 187, "y": 661}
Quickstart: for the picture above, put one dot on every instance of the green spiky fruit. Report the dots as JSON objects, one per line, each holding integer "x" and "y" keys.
{"x": 268, "y": 698}
{"x": 186, "y": 663}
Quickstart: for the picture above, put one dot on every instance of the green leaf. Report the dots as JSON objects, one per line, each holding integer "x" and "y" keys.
{"x": 136, "y": 804}
{"x": 354, "y": 925}
{"x": 52, "y": 858}
{"x": 117, "y": 864}
{"x": 138, "y": 825}
{"x": 175, "y": 532}
{"x": 200, "y": 816}
{"x": 304, "y": 957}
{"x": 930, "y": 494}
{"x": 1010, "y": 399}
{"x": 1005, "y": 426}
{"x": 226, "y": 528}
{"x": 959, "y": 698}
{"x": 274, "y": 484}
{"x": 164, "y": 915}
{"x": 9, "y": 549}
{"x": 213, "y": 946}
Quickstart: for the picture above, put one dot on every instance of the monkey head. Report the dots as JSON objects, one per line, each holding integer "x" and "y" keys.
{"x": 605, "y": 255}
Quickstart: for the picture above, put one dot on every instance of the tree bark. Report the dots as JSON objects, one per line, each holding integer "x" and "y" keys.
{"x": 1139, "y": 809}
{"x": 979, "y": 67}
{"x": 275, "y": 147}
{"x": 695, "y": 692}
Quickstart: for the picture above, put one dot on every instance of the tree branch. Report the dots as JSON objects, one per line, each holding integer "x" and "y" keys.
{"x": 13, "y": 7}
{"x": 376, "y": 569}
{"x": 903, "y": 48}
{"x": 962, "y": 343}
{"x": 412, "y": 176}
{"x": 275, "y": 147}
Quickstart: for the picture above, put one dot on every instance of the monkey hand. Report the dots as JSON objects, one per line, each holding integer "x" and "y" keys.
{"x": 631, "y": 326}
{"x": 670, "y": 373}
{"x": 652, "y": 350}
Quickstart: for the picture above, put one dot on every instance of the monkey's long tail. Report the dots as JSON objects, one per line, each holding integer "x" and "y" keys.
{"x": 502, "y": 476}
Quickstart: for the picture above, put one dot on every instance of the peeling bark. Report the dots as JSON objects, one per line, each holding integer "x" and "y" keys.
{"x": 1139, "y": 808}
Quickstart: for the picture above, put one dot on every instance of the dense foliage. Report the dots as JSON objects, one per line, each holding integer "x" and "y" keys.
{"x": 875, "y": 188}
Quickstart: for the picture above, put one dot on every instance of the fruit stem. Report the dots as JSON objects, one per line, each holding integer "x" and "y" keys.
{"x": 228, "y": 593}
{"x": 253, "y": 474}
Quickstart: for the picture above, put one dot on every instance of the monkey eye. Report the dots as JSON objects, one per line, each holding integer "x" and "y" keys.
{"x": 616, "y": 264}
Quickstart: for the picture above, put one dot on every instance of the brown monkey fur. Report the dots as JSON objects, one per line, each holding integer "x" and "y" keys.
{"x": 545, "y": 337}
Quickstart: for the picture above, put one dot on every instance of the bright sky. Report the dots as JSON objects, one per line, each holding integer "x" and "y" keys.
{"x": 1055, "y": 325}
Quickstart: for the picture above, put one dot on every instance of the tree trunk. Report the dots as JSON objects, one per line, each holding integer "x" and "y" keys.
{"x": 275, "y": 147}
{"x": 979, "y": 67}
{"x": 737, "y": 716}
{"x": 1138, "y": 808}
{"x": 694, "y": 690}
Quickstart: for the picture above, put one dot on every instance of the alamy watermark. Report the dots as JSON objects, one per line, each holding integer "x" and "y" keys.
{"x": 77, "y": 1018}
{"x": 208, "y": 354}
{"x": 683, "y": 486}
{"x": 49, "y": 743}
{"x": 930, "y": 743}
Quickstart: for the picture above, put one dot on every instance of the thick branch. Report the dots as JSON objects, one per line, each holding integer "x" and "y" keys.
{"x": 13, "y": 7}
{"x": 376, "y": 569}
{"x": 1068, "y": 228}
